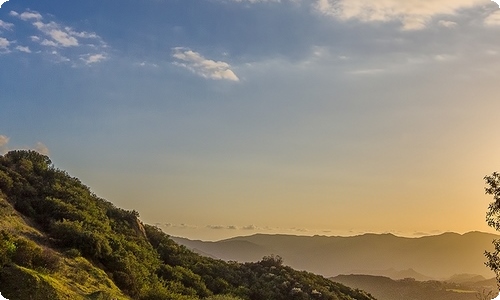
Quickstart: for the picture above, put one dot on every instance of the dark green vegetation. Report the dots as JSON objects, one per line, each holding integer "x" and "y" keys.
{"x": 493, "y": 220}
{"x": 409, "y": 288}
{"x": 58, "y": 240}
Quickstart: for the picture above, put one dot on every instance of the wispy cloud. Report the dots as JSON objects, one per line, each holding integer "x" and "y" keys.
{"x": 146, "y": 64}
{"x": 413, "y": 14}
{"x": 58, "y": 36}
{"x": 493, "y": 19}
{"x": 4, "y": 45}
{"x": 88, "y": 47}
{"x": 5, "y": 25}
{"x": 23, "y": 49}
{"x": 181, "y": 226}
{"x": 219, "y": 227}
{"x": 249, "y": 227}
{"x": 27, "y": 15}
{"x": 199, "y": 65}
{"x": 448, "y": 24}
{"x": 41, "y": 148}
{"x": 94, "y": 58}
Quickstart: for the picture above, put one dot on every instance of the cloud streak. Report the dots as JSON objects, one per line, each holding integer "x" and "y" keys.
{"x": 201, "y": 66}
{"x": 87, "y": 47}
{"x": 5, "y": 25}
{"x": 92, "y": 59}
{"x": 413, "y": 14}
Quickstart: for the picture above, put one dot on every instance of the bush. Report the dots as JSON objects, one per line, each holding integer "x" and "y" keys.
{"x": 26, "y": 252}
{"x": 73, "y": 253}
{"x": 47, "y": 260}
{"x": 7, "y": 248}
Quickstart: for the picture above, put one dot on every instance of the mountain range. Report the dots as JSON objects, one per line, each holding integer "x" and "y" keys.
{"x": 423, "y": 258}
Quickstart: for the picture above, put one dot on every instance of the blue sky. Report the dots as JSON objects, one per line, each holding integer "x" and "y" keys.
{"x": 217, "y": 118}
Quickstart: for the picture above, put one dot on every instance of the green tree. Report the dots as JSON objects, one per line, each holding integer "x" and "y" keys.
{"x": 493, "y": 220}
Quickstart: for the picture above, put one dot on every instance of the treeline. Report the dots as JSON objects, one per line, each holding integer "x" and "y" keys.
{"x": 140, "y": 259}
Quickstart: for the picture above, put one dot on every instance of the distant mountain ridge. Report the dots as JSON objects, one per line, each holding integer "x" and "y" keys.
{"x": 429, "y": 257}
{"x": 385, "y": 288}
{"x": 397, "y": 274}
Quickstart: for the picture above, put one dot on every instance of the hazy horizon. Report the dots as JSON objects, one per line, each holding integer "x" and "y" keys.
{"x": 222, "y": 118}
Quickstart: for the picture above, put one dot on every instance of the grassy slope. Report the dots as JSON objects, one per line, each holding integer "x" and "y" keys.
{"x": 58, "y": 240}
{"x": 76, "y": 278}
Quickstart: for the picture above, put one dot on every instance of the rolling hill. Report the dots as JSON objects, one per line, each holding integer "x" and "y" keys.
{"x": 385, "y": 288}
{"x": 59, "y": 241}
{"x": 428, "y": 257}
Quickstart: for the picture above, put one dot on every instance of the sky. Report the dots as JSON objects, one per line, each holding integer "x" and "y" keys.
{"x": 219, "y": 118}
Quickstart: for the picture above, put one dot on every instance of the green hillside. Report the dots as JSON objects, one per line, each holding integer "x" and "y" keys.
{"x": 58, "y": 240}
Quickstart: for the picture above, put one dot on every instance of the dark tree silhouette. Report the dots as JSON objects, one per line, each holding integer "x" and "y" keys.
{"x": 493, "y": 220}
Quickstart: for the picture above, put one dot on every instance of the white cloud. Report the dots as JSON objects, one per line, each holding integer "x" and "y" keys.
{"x": 4, "y": 43}
{"x": 206, "y": 68}
{"x": 59, "y": 57}
{"x": 41, "y": 148}
{"x": 4, "y": 140}
{"x": 493, "y": 19}
{"x": 83, "y": 34}
{"x": 6, "y": 25}
{"x": 56, "y": 35}
{"x": 147, "y": 64}
{"x": 448, "y": 24}
{"x": 23, "y": 49}
{"x": 94, "y": 58}
{"x": 46, "y": 42}
{"x": 59, "y": 37}
{"x": 27, "y": 15}
{"x": 413, "y": 14}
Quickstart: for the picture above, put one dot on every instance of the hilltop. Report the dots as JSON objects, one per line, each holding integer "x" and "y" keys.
{"x": 58, "y": 240}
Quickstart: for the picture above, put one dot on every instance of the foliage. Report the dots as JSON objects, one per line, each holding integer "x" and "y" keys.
{"x": 493, "y": 220}
{"x": 140, "y": 259}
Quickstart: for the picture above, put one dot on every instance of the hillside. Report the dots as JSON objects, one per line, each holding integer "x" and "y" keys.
{"x": 424, "y": 258}
{"x": 388, "y": 289}
{"x": 60, "y": 241}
